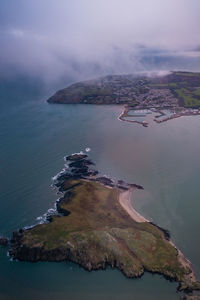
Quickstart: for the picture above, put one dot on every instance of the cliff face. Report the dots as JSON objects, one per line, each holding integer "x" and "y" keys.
{"x": 90, "y": 252}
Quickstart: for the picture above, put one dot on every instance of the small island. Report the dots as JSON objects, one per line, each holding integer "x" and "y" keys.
{"x": 96, "y": 225}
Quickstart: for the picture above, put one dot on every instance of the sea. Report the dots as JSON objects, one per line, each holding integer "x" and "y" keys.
{"x": 34, "y": 138}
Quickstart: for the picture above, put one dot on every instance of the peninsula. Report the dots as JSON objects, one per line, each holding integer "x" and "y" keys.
{"x": 179, "y": 92}
{"x": 96, "y": 225}
{"x": 175, "y": 89}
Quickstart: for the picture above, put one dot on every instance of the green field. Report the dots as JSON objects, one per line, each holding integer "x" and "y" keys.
{"x": 197, "y": 92}
{"x": 188, "y": 97}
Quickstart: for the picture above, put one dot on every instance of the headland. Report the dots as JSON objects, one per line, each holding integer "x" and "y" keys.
{"x": 96, "y": 225}
{"x": 178, "y": 92}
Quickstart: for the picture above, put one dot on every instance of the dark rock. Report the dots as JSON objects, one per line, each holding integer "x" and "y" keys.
{"x": 75, "y": 157}
{"x": 62, "y": 177}
{"x": 81, "y": 163}
{"x": 62, "y": 200}
{"x": 122, "y": 187}
{"x": 121, "y": 182}
{"x": 105, "y": 180}
{"x": 49, "y": 218}
{"x": 137, "y": 186}
{"x": 93, "y": 173}
{"x": 83, "y": 170}
{"x": 3, "y": 241}
{"x": 165, "y": 231}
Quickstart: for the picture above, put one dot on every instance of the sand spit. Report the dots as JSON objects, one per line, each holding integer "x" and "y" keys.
{"x": 125, "y": 201}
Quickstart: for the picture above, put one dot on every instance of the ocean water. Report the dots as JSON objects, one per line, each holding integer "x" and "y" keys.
{"x": 164, "y": 158}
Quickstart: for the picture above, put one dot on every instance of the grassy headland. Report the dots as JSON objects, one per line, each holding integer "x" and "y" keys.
{"x": 93, "y": 230}
{"x": 172, "y": 90}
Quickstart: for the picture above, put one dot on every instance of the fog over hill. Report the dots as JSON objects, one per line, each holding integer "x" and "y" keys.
{"x": 81, "y": 39}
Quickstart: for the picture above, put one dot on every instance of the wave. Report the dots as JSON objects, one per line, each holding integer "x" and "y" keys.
{"x": 53, "y": 211}
{"x": 50, "y": 212}
{"x": 109, "y": 177}
{"x": 62, "y": 172}
{"x": 28, "y": 227}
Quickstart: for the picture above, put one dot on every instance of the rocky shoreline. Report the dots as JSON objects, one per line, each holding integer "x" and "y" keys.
{"x": 78, "y": 167}
{"x": 92, "y": 229}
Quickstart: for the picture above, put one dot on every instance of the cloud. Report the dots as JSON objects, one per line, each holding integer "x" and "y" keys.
{"x": 84, "y": 38}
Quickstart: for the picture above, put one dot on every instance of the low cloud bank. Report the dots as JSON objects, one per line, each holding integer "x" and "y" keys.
{"x": 83, "y": 38}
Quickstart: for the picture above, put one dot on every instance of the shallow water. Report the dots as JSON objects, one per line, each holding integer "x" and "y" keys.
{"x": 164, "y": 158}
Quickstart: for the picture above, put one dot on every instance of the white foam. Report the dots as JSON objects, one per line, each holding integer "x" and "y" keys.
{"x": 75, "y": 153}
{"x": 62, "y": 172}
{"x": 53, "y": 211}
{"x": 50, "y": 212}
{"x": 87, "y": 149}
{"x": 28, "y": 227}
{"x": 109, "y": 177}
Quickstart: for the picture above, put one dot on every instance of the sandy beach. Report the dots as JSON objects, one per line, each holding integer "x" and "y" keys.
{"x": 125, "y": 201}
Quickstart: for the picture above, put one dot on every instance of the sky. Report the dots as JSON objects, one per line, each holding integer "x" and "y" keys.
{"x": 51, "y": 39}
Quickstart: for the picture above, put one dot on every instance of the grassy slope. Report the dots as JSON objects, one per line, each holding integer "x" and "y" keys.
{"x": 185, "y": 89}
{"x": 98, "y": 230}
{"x": 189, "y": 97}
{"x": 184, "y": 85}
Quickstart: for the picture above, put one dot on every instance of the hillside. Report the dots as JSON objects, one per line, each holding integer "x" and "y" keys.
{"x": 172, "y": 90}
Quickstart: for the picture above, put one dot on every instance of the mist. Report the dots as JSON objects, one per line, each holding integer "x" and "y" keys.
{"x": 52, "y": 40}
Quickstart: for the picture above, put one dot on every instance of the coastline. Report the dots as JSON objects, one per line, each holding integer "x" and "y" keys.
{"x": 124, "y": 114}
{"x": 106, "y": 204}
{"x": 185, "y": 262}
{"x": 125, "y": 201}
{"x": 183, "y": 113}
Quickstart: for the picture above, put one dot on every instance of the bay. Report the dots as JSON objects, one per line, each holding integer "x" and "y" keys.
{"x": 35, "y": 136}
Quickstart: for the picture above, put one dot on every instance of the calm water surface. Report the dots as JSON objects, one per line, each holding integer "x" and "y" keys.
{"x": 163, "y": 158}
